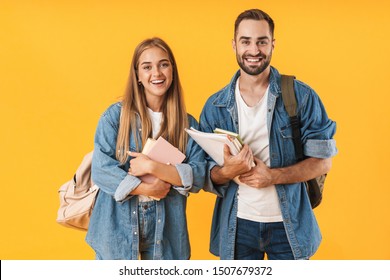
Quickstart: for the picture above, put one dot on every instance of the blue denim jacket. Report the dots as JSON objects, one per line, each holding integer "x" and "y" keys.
{"x": 317, "y": 132}
{"x": 113, "y": 230}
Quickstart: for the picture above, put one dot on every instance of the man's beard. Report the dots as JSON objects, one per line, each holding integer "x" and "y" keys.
{"x": 254, "y": 70}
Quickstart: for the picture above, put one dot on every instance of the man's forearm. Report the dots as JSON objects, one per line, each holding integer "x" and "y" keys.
{"x": 301, "y": 171}
{"x": 219, "y": 175}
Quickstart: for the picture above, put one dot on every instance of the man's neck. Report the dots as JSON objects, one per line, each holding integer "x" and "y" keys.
{"x": 253, "y": 88}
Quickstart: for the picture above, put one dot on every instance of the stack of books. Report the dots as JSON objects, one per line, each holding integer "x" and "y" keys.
{"x": 213, "y": 143}
{"x": 232, "y": 136}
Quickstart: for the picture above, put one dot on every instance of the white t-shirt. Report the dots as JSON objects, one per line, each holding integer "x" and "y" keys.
{"x": 155, "y": 117}
{"x": 259, "y": 205}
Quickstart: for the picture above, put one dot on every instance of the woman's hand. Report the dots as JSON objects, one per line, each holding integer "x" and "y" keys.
{"x": 140, "y": 164}
{"x": 156, "y": 189}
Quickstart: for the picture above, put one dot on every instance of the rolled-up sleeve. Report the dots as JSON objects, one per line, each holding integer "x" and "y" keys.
{"x": 211, "y": 187}
{"x": 186, "y": 176}
{"x": 320, "y": 148}
{"x": 193, "y": 171}
{"x": 316, "y": 128}
{"x": 128, "y": 184}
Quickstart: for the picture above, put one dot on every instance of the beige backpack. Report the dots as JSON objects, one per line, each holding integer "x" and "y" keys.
{"x": 77, "y": 197}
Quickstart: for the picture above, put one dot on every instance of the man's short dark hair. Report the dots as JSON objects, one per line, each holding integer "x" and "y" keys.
{"x": 254, "y": 14}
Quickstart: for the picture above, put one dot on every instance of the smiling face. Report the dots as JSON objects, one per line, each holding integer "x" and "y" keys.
{"x": 155, "y": 73}
{"x": 253, "y": 46}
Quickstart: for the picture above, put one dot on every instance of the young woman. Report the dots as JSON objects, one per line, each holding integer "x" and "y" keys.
{"x": 126, "y": 222}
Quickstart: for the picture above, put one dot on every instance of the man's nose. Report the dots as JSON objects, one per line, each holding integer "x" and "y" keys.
{"x": 254, "y": 49}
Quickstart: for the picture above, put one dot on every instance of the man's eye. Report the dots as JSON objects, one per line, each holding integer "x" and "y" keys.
{"x": 164, "y": 65}
{"x": 147, "y": 67}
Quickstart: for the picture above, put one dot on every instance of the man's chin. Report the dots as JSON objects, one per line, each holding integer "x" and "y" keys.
{"x": 252, "y": 72}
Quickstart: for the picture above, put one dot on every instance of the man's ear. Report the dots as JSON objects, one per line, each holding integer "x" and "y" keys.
{"x": 234, "y": 44}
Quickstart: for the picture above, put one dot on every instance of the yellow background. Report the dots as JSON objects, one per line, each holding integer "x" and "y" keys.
{"x": 63, "y": 62}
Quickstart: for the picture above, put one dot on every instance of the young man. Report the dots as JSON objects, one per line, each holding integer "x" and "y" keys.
{"x": 268, "y": 211}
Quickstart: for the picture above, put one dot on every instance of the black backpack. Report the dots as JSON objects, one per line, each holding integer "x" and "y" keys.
{"x": 314, "y": 186}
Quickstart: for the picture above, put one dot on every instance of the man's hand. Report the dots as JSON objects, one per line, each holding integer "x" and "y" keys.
{"x": 259, "y": 176}
{"x": 233, "y": 165}
{"x": 262, "y": 176}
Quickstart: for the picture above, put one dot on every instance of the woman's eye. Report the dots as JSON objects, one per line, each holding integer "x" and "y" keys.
{"x": 164, "y": 65}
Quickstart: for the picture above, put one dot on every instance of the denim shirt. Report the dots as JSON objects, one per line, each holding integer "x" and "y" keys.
{"x": 114, "y": 227}
{"x": 317, "y": 132}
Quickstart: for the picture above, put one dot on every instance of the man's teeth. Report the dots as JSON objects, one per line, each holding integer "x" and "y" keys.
{"x": 253, "y": 59}
{"x": 157, "y": 81}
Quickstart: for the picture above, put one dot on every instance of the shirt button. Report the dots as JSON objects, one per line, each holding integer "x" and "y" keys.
{"x": 134, "y": 213}
{"x": 158, "y": 242}
{"x": 135, "y": 233}
{"x": 159, "y": 220}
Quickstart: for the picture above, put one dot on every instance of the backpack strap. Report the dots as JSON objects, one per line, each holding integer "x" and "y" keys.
{"x": 288, "y": 94}
{"x": 290, "y": 103}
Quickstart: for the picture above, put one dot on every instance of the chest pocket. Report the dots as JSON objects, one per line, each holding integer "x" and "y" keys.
{"x": 286, "y": 131}
{"x": 287, "y": 145}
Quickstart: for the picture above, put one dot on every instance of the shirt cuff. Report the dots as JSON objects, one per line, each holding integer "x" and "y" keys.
{"x": 320, "y": 148}
{"x": 182, "y": 190}
{"x": 128, "y": 184}
{"x": 186, "y": 177}
{"x": 209, "y": 186}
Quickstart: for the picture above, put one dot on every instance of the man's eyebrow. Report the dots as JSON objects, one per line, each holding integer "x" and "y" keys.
{"x": 258, "y": 38}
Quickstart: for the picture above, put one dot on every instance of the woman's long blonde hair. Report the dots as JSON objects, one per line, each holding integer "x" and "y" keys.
{"x": 174, "y": 113}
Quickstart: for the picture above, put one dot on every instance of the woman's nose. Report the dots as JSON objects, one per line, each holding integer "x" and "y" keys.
{"x": 156, "y": 71}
